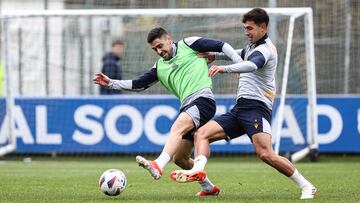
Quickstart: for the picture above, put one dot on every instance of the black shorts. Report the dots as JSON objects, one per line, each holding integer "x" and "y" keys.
{"x": 247, "y": 116}
{"x": 201, "y": 110}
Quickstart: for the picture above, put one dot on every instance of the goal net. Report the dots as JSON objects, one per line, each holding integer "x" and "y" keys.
{"x": 51, "y": 56}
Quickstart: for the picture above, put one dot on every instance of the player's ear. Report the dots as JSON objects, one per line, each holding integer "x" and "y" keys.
{"x": 263, "y": 26}
{"x": 168, "y": 38}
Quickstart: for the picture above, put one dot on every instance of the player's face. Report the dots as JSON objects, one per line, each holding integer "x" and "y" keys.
{"x": 163, "y": 47}
{"x": 253, "y": 31}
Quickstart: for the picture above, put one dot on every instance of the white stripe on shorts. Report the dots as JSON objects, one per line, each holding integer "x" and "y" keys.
{"x": 266, "y": 126}
{"x": 194, "y": 114}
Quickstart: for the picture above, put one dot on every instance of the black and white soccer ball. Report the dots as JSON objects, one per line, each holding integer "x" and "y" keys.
{"x": 112, "y": 182}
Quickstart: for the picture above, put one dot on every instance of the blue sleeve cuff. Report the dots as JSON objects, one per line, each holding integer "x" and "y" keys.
{"x": 257, "y": 58}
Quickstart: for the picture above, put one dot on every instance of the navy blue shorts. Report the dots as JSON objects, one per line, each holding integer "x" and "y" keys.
{"x": 201, "y": 110}
{"x": 247, "y": 116}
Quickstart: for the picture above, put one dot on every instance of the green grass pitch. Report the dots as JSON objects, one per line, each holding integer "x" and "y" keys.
{"x": 74, "y": 179}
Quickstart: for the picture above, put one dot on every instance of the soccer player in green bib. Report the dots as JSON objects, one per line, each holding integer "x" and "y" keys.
{"x": 185, "y": 75}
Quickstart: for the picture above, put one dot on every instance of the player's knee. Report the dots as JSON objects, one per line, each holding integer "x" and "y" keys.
{"x": 265, "y": 156}
{"x": 269, "y": 158}
{"x": 176, "y": 131}
{"x": 200, "y": 135}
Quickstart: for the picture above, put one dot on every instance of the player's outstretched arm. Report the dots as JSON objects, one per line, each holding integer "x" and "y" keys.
{"x": 255, "y": 61}
{"x": 223, "y": 56}
{"x": 241, "y": 67}
{"x": 141, "y": 83}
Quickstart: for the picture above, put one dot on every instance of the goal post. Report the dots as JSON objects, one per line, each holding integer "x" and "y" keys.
{"x": 312, "y": 121}
{"x": 59, "y": 50}
{"x": 9, "y": 140}
{"x": 312, "y": 127}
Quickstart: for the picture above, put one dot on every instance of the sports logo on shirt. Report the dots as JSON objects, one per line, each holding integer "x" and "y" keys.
{"x": 174, "y": 65}
{"x": 256, "y": 124}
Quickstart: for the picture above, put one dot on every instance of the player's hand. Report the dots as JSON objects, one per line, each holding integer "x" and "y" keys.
{"x": 210, "y": 57}
{"x": 101, "y": 79}
{"x": 216, "y": 69}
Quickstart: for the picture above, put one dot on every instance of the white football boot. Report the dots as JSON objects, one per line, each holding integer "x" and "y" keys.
{"x": 308, "y": 192}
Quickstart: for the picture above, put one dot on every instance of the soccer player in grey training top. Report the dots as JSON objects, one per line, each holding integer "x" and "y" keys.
{"x": 252, "y": 112}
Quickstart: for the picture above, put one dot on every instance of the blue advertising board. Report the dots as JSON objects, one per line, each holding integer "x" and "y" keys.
{"x": 131, "y": 124}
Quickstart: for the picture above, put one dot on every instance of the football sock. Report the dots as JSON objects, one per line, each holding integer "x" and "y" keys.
{"x": 162, "y": 160}
{"x": 299, "y": 179}
{"x": 199, "y": 162}
{"x": 206, "y": 185}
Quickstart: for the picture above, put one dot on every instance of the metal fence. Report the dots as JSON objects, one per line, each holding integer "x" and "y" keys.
{"x": 336, "y": 26}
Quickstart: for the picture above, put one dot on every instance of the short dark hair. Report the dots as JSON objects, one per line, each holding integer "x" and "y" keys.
{"x": 155, "y": 33}
{"x": 117, "y": 42}
{"x": 258, "y": 15}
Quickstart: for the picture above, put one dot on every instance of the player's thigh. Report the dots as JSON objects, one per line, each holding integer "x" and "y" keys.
{"x": 254, "y": 117}
{"x": 201, "y": 110}
{"x": 262, "y": 143}
{"x": 225, "y": 126}
{"x": 183, "y": 124}
{"x": 211, "y": 131}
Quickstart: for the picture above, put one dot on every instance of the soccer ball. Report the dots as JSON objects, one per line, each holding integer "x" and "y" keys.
{"x": 112, "y": 182}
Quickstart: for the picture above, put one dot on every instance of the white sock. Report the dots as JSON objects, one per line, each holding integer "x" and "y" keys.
{"x": 300, "y": 180}
{"x": 162, "y": 160}
{"x": 199, "y": 162}
{"x": 206, "y": 185}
